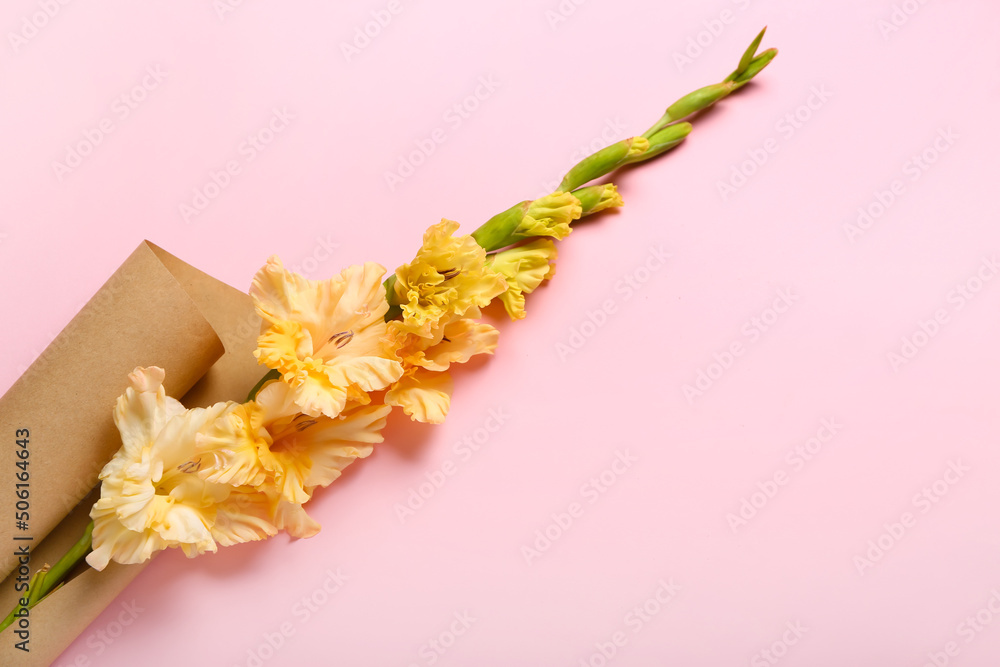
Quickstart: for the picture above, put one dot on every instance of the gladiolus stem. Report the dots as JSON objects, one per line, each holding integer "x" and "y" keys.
{"x": 48, "y": 579}
{"x": 268, "y": 377}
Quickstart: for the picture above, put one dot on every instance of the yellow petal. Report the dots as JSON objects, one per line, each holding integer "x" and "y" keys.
{"x": 335, "y": 444}
{"x": 144, "y": 408}
{"x": 424, "y": 395}
{"x": 524, "y": 267}
{"x": 325, "y": 337}
{"x": 306, "y": 452}
{"x": 447, "y": 277}
{"x": 111, "y": 540}
{"x": 151, "y": 498}
{"x": 292, "y": 518}
{"x": 243, "y": 517}
{"x": 463, "y": 339}
{"x": 315, "y": 393}
{"x": 353, "y": 299}
{"x": 513, "y": 302}
{"x": 550, "y": 216}
{"x": 283, "y": 346}
{"x": 228, "y": 450}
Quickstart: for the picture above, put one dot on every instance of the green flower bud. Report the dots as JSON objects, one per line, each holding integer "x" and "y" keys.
{"x": 663, "y": 140}
{"x": 699, "y": 99}
{"x": 755, "y": 66}
{"x": 597, "y": 198}
{"x": 748, "y": 56}
{"x": 602, "y": 162}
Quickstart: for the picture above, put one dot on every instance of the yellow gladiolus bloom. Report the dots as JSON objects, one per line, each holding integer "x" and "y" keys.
{"x": 607, "y": 197}
{"x": 447, "y": 277}
{"x": 325, "y": 336}
{"x": 268, "y": 442}
{"x": 550, "y": 216}
{"x": 424, "y": 391}
{"x": 524, "y": 267}
{"x": 150, "y": 500}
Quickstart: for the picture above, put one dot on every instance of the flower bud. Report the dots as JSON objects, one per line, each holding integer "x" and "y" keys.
{"x": 699, "y": 99}
{"x": 550, "y": 216}
{"x": 597, "y": 198}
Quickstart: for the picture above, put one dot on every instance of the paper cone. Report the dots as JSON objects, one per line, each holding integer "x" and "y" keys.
{"x": 155, "y": 310}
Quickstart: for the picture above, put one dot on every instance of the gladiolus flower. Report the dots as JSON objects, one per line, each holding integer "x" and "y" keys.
{"x": 269, "y": 443}
{"x": 150, "y": 497}
{"x": 550, "y": 216}
{"x": 524, "y": 267}
{"x": 424, "y": 391}
{"x": 325, "y": 336}
{"x": 447, "y": 277}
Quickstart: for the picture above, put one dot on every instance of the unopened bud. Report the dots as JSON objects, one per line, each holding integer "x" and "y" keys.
{"x": 699, "y": 99}
{"x": 597, "y": 198}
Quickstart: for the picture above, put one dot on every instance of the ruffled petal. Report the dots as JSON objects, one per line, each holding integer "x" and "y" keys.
{"x": 332, "y": 445}
{"x": 279, "y": 294}
{"x": 176, "y": 443}
{"x": 292, "y": 518}
{"x": 524, "y": 267}
{"x": 228, "y": 450}
{"x": 243, "y": 517}
{"x": 550, "y": 216}
{"x": 283, "y": 346}
{"x": 112, "y": 540}
{"x": 448, "y": 276}
{"x": 142, "y": 410}
{"x": 424, "y": 395}
{"x": 462, "y": 340}
{"x": 325, "y": 337}
{"x": 315, "y": 393}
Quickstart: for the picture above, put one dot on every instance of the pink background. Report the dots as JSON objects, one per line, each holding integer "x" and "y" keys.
{"x": 879, "y": 98}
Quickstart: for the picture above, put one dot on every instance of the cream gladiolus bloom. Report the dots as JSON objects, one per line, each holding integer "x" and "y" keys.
{"x": 268, "y": 442}
{"x": 325, "y": 336}
{"x": 424, "y": 391}
{"x": 150, "y": 498}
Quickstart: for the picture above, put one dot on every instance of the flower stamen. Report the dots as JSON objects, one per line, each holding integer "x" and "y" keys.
{"x": 342, "y": 338}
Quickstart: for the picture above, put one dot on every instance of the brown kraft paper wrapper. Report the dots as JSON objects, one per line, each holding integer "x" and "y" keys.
{"x": 155, "y": 310}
